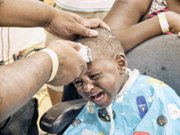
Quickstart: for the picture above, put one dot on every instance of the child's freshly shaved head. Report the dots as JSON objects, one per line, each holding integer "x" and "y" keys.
{"x": 105, "y": 45}
{"x": 105, "y": 76}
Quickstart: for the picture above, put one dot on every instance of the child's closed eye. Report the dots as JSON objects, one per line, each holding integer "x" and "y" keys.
{"x": 94, "y": 76}
{"x": 78, "y": 83}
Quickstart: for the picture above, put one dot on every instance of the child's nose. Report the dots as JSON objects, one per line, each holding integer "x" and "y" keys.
{"x": 88, "y": 87}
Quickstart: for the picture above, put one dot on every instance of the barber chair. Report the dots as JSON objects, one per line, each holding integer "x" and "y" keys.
{"x": 158, "y": 57}
{"x": 60, "y": 116}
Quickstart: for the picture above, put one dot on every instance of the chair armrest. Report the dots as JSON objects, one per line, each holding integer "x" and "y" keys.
{"x": 60, "y": 116}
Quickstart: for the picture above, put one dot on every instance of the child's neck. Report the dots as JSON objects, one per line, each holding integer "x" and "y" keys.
{"x": 123, "y": 82}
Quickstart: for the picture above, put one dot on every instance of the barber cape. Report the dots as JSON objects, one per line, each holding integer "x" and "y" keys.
{"x": 145, "y": 106}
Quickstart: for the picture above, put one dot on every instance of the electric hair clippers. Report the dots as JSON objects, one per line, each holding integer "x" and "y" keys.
{"x": 85, "y": 52}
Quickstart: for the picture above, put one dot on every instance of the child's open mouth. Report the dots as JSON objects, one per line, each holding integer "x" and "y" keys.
{"x": 98, "y": 98}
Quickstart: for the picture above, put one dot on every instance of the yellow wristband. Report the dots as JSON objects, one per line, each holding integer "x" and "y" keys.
{"x": 163, "y": 22}
{"x": 55, "y": 62}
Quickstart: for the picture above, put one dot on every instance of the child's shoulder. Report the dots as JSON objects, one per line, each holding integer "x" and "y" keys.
{"x": 155, "y": 87}
{"x": 151, "y": 82}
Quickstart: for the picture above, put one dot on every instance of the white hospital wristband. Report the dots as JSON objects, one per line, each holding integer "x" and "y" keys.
{"x": 55, "y": 62}
{"x": 163, "y": 22}
{"x": 178, "y": 34}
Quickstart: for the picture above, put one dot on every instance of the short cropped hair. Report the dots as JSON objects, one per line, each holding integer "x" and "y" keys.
{"x": 104, "y": 45}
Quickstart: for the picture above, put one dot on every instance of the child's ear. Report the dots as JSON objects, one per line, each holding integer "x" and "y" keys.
{"x": 121, "y": 62}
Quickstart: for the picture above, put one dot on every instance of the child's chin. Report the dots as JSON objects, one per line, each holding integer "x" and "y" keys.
{"x": 104, "y": 104}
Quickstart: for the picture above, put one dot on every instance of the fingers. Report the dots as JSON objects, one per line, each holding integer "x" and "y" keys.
{"x": 84, "y": 26}
{"x": 76, "y": 46}
{"x": 73, "y": 44}
{"x": 84, "y": 31}
{"x": 93, "y": 23}
{"x": 104, "y": 25}
{"x": 71, "y": 25}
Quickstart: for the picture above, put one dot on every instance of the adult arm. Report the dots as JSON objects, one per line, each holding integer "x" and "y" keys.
{"x": 19, "y": 81}
{"x": 125, "y": 13}
{"x": 122, "y": 19}
{"x": 127, "y": 28}
{"x": 31, "y": 13}
{"x": 138, "y": 33}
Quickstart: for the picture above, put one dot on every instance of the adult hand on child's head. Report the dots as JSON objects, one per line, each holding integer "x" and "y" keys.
{"x": 67, "y": 25}
{"x": 71, "y": 64}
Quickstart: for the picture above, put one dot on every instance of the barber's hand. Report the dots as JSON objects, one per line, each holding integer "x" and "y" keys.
{"x": 67, "y": 25}
{"x": 71, "y": 64}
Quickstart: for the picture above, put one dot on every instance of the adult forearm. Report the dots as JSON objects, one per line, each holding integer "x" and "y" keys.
{"x": 136, "y": 34}
{"x": 123, "y": 19}
{"x": 24, "y": 13}
{"x": 21, "y": 80}
{"x": 125, "y": 13}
